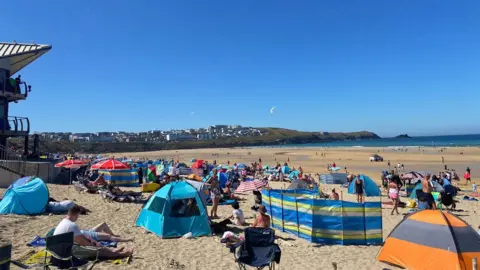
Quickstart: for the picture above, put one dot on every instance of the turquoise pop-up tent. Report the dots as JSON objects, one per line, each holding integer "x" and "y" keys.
{"x": 27, "y": 196}
{"x": 175, "y": 210}
{"x": 369, "y": 186}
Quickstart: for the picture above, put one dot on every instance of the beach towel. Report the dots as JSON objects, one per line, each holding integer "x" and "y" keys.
{"x": 224, "y": 202}
{"x": 37, "y": 259}
{"x": 39, "y": 241}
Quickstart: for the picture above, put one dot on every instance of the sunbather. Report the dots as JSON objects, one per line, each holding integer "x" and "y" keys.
{"x": 227, "y": 192}
{"x": 100, "y": 181}
{"x": 262, "y": 220}
{"x": 117, "y": 191}
{"x": 86, "y": 247}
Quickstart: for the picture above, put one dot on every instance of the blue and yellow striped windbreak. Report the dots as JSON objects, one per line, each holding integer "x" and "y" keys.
{"x": 302, "y": 213}
{"x": 124, "y": 178}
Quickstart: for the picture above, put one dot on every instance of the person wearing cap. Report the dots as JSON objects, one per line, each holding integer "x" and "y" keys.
{"x": 262, "y": 220}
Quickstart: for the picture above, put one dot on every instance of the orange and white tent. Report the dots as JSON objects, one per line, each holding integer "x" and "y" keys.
{"x": 431, "y": 239}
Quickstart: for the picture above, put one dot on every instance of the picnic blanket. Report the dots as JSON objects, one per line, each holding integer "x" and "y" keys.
{"x": 222, "y": 202}
{"x": 39, "y": 241}
{"x": 37, "y": 259}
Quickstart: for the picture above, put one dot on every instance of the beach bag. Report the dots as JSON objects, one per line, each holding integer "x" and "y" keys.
{"x": 150, "y": 187}
{"x": 411, "y": 204}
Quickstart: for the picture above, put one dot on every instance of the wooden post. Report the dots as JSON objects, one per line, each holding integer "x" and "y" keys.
{"x": 341, "y": 214}
{"x": 296, "y": 211}
{"x": 364, "y": 224}
{"x": 474, "y": 264}
{"x": 283, "y": 219}
{"x": 270, "y": 202}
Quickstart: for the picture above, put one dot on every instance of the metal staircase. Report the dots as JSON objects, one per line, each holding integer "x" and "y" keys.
{"x": 12, "y": 162}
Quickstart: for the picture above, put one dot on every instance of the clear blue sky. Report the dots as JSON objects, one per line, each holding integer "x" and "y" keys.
{"x": 385, "y": 66}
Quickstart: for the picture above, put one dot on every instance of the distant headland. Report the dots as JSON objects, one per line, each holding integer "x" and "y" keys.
{"x": 403, "y": 136}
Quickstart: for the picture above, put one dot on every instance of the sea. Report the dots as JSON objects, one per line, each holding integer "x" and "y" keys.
{"x": 425, "y": 141}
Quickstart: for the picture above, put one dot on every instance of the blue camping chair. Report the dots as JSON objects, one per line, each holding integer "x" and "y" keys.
{"x": 258, "y": 250}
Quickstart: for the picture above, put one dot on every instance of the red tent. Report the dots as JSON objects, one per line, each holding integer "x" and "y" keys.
{"x": 110, "y": 164}
{"x": 197, "y": 164}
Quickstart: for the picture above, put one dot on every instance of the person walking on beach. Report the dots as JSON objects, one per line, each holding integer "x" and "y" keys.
{"x": 443, "y": 160}
{"x": 359, "y": 188}
{"x": 467, "y": 176}
{"x": 393, "y": 193}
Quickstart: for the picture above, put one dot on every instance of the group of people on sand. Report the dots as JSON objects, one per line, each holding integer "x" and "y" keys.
{"x": 261, "y": 220}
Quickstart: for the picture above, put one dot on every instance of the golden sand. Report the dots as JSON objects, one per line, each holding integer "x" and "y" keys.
{"x": 206, "y": 252}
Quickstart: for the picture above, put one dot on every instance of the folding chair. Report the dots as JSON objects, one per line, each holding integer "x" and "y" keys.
{"x": 6, "y": 258}
{"x": 60, "y": 247}
{"x": 258, "y": 250}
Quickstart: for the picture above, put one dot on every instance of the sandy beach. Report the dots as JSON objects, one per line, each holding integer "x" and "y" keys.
{"x": 208, "y": 252}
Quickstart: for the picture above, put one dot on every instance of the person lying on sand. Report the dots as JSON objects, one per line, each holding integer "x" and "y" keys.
{"x": 86, "y": 247}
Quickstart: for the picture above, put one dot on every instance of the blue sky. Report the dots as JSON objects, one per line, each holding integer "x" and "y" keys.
{"x": 385, "y": 66}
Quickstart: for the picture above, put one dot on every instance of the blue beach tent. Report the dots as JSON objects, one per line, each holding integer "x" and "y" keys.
{"x": 369, "y": 186}
{"x": 27, "y": 196}
{"x": 286, "y": 170}
{"x": 175, "y": 210}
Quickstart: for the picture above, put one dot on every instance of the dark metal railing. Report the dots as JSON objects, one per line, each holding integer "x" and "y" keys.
{"x": 15, "y": 124}
{"x": 21, "y": 89}
{"x": 12, "y": 161}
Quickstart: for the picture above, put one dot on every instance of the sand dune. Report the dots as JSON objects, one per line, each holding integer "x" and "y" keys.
{"x": 207, "y": 252}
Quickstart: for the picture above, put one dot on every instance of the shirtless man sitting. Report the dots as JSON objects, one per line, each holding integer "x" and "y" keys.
{"x": 85, "y": 246}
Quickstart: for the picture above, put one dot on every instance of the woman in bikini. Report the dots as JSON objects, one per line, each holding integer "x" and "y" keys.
{"x": 393, "y": 190}
{"x": 215, "y": 193}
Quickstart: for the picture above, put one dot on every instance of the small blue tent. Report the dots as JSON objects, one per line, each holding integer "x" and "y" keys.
{"x": 27, "y": 196}
{"x": 293, "y": 174}
{"x": 369, "y": 186}
{"x": 175, "y": 210}
{"x": 286, "y": 170}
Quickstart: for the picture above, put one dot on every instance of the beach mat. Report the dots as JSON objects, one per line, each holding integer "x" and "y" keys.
{"x": 225, "y": 202}
{"x": 41, "y": 242}
{"x": 401, "y": 204}
{"x": 37, "y": 259}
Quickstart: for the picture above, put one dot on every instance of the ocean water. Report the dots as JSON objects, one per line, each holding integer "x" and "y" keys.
{"x": 427, "y": 141}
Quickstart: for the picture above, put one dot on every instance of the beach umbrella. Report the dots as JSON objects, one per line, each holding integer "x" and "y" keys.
{"x": 250, "y": 185}
{"x": 412, "y": 175}
{"x": 71, "y": 163}
{"x": 111, "y": 164}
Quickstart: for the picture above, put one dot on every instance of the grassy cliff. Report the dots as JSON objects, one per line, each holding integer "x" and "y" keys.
{"x": 271, "y": 136}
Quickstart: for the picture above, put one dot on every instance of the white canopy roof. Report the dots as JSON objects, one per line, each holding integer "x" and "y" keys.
{"x": 20, "y": 55}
